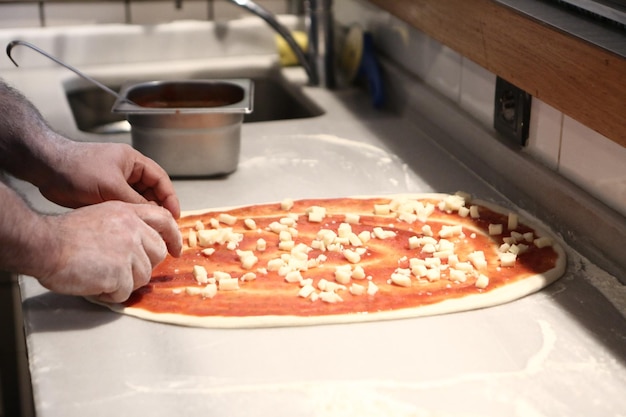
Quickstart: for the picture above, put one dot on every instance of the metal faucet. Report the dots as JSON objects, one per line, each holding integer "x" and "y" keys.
{"x": 318, "y": 60}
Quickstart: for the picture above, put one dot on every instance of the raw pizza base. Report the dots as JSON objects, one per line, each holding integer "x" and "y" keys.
{"x": 493, "y": 297}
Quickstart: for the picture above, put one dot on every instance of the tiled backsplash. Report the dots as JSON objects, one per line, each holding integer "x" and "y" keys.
{"x": 61, "y": 13}
{"x": 592, "y": 161}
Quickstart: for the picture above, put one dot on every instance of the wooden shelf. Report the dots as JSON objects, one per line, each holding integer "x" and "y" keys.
{"x": 582, "y": 80}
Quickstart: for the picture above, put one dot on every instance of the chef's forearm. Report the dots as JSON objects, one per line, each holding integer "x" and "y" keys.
{"x": 25, "y": 239}
{"x": 28, "y": 147}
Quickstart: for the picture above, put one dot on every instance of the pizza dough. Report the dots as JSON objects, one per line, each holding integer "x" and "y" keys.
{"x": 347, "y": 260}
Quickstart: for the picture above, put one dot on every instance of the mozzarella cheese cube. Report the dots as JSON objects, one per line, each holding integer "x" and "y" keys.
{"x": 354, "y": 240}
{"x": 495, "y": 229}
{"x": 432, "y": 262}
{"x": 352, "y": 218}
{"x": 288, "y": 221}
{"x": 200, "y": 274}
{"x": 429, "y": 248}
{"x": 284, "y": 236}
{"x": 423, "y": 211}
{"x": 382, "y": 209}
{"x": 306, "y": 291}
{"x": 344, "y": 230}
{"x": 286, "y": 204}
{"x": 316, "y": 214}
{"x": 192, "y": 238}
{"x": 452, "y": 203}
{"x": 518, "y": 249}
{"x": 450, "y": 231}
{"x": 357, "y": 289}
{"x": 358, "y": 272}
{"x": 414, "y": 242}
{"x": 193, "y": 290}
{"x": 513, "y": 221}
{"x": 464, "y": 266}
{"x": 474, "y": 214}
{"x": 293, "y": 276}
{"x": 477, "y": 258}
{"x": 250, "y": 224}
{"x": 209, "y": 291}
{"x": 228, "y": 284}
{"x": 542, "y": 242}
{"x": 330, "y": 297}
{"x": 343, "y": 274}
{"x": 419, "y": 270}
{"x": 274, "y": 264}
{"x": 371, "y": 288}
{"x": 433, "y": 274}
{"x": 286, "y": 245}
{"x": 249, "y": 261}
{"x": 351, "y": 256}
{"x": 277, "y": 227}
{"x": 227, "y": 219}
{"x": 219, "y": 275}
{"x": 364, "y": 236}
{"x": 482, "y": 281}
{"x": 507, "y": 259}
{"x": 248, "y": 276}
{"x": 401, "y": 279}
{"x": 457, "y": 275}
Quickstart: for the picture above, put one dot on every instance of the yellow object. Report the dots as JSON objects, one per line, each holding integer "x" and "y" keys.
{"x": 352, "y": 52}
{"x": 285, "y": 53}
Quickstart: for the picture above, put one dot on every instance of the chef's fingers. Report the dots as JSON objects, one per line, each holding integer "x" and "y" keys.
{"x": 164, "y": 224}
{"x": 153, "y": 183}
{"x": 123, "y": 289}
{"x": 139, "y": 272}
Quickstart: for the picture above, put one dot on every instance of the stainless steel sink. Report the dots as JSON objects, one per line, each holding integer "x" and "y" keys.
{"x": 274, "y": 99}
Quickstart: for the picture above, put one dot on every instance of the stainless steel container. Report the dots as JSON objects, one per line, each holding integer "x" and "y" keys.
{"x": 191, "y": 128}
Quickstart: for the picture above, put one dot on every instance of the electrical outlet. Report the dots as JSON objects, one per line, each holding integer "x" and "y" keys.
{"x": 511, "y": 111}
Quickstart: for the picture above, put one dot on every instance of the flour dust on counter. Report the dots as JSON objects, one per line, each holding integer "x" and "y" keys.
{"x": 346, "y": 260}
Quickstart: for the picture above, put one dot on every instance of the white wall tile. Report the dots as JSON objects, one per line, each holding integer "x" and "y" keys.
{"x": 17, "y": 15}
{"x": 544, "y": 133}
{"x": 150, "y": 13}
{"x": 442, "y": 69}
{"x": 64, "y": 14}
{"x": 594, "y": 162}
{"x": 275, "y": 6}
{"x": 226, "y": 10}
{"x": 349, "y": 12}
{"x": 478, "y": 89}
{"x": 438, "y": 65}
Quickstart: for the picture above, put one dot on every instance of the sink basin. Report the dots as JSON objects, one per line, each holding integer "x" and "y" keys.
{"x": 274, "y": 99}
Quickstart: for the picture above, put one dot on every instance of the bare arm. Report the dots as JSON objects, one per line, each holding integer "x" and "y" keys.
{"x": 105, "y": 250}
{"x": 107, "y": 246}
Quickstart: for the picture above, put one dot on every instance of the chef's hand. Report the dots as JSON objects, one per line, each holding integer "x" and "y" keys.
{"x": 90, "y": 173}
{"x": 107, "y": 250}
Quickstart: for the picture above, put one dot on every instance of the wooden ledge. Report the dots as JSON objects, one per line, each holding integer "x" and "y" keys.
{"x": 581, "y": 80}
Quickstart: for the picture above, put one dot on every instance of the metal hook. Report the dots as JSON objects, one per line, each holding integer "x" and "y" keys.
{"x": 14, "y": 43}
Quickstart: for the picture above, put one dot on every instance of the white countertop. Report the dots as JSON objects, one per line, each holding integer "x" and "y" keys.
{"x": 561, "y": 351}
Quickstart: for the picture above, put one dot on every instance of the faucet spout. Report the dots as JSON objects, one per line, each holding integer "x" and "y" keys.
{"x": 320, "y": 33}
{"x": 319, "y": 25}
